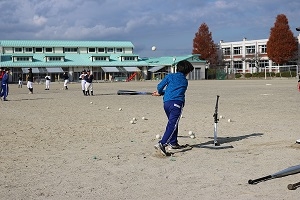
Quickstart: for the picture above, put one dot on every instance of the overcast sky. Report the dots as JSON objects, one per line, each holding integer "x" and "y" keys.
{"x": 170, "y": 25}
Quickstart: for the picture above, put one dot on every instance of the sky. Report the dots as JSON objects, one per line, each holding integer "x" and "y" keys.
{"x": 170, "y": 25}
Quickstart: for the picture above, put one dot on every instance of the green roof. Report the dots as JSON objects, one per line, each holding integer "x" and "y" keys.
{"x": 85, "y": 61}
{"x": 64, "y": 43}
{"x": 171, "y": 60}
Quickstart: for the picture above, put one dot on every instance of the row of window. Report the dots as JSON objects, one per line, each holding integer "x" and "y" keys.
{"x": 62, "y": 58}
{"x": 251, "y": 63}
{"x": 249, "y": 50}
{"x": 66, "y": 50}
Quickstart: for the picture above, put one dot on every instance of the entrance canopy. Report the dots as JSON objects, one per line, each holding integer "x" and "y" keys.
{"x": 35, "y": 70}
{"x": 155, "y": 69}
{"x": 43, "y": 70}
{"x": 110, "y": 69}
{"x": 55, "y": 70}
{"x": 132, "y": 69}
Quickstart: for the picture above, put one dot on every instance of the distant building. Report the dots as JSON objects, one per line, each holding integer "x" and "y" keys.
{"x": 106, "y": 59}
{"x": 248, "y": 56}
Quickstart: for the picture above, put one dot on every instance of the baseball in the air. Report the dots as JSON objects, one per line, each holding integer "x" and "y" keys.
{"x": 157, "y": 136}
{"x": 153, "y": 48}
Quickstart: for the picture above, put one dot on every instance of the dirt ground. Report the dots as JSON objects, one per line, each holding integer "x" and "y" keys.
{"x": 59, "y": 144}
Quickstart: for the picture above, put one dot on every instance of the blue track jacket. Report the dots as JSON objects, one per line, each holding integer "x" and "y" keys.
{"x": 173, "y": 87}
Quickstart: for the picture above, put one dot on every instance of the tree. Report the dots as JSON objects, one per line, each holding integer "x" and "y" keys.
{"x": 282, "y": 45}
{"x": 203, "y": 44}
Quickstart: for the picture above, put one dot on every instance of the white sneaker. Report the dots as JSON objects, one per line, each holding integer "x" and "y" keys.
{"x": 161, "y": 149}
{"x": 298, "y": 141}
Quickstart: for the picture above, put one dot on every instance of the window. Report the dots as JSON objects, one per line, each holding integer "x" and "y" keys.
{"x": 48, "y": 50}
{"x": 110, "y": 50}
{"x": 102, "y": 50}
{"x": 263, "y": 63}
{"x": 226, "y": 51}
{"x": 262, "y": 48}
{"x": 92, "y": 50}
{"x": 100, "y": 58}
{"x": 238, "y": 64}
{"x": 129, "y": 57}
{"x": 70, "y": 49}
{"x": 27, "y": 49}
{"x": 18, "y": 49}
{"x": 250, "y": 49}
{"x": 38, "y": 50}
{"x": 55, "y": 59}
{"x": 252, "y": 63}
{"x": 22, "y": 58}
{"x": 237, "y": 50}
{"x": 119, "y": 50}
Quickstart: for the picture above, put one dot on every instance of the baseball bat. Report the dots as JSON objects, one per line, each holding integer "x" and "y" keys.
{"x": 293, "y": 186}
{"x": 285, "y": 172}
{"x": 131, "y": 92}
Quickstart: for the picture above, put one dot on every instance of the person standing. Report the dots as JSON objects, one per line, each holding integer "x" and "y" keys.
{"x": 173, "y": 88}
{"x": 20, "y": 78}
{"x": 66, "y": 80}
{"x": 89, "y": 83}
{"x": 2, "y": 72}
{"x": 298, "y": 84}
{"x": 82, "y": 78}
{"x": 30, "y": 81}
{"x": 4, "y": 85}
{"x": 47, "y": 82}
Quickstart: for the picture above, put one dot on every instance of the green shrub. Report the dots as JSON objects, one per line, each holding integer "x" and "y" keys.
{"x": 238, "y": 75}
{"x": 278, "y": 74}
{"x": 255, "y": 75}
{"x": 248, "y": 75}
{"x": 286, "y": 74}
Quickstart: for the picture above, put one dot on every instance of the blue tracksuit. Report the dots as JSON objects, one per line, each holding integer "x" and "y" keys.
{"x": 4, "y": 84}
{"x": 173, "y": 87}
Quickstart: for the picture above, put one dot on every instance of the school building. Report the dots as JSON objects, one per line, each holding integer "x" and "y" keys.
{"x": 108, "y": 60}
{"x": 250, "y": 56}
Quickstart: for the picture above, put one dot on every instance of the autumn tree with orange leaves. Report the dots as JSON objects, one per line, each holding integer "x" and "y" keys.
{"x": 203, "y": 44}
{"x": 282, "y": 45}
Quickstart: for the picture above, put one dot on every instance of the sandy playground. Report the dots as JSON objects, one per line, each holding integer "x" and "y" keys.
{"x": 56, "y": 144}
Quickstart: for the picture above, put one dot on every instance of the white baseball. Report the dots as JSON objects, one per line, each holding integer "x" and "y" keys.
{"x": 143, "y": 118}
{"x": 153, "y": 48}
{"x": 229, "y": 120}
{"x": 120, "y": 109}
{"x": 131, "y": 122}
{"x": 91, "y": 102}
{"x": 157, "y": 136}
{"x": 192, "y": 136}
{"x": 107, "y": 107}
{"x": 221, "y": 117}
{"x": 191, "y": 133}
{"x": 134, "y": 119}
